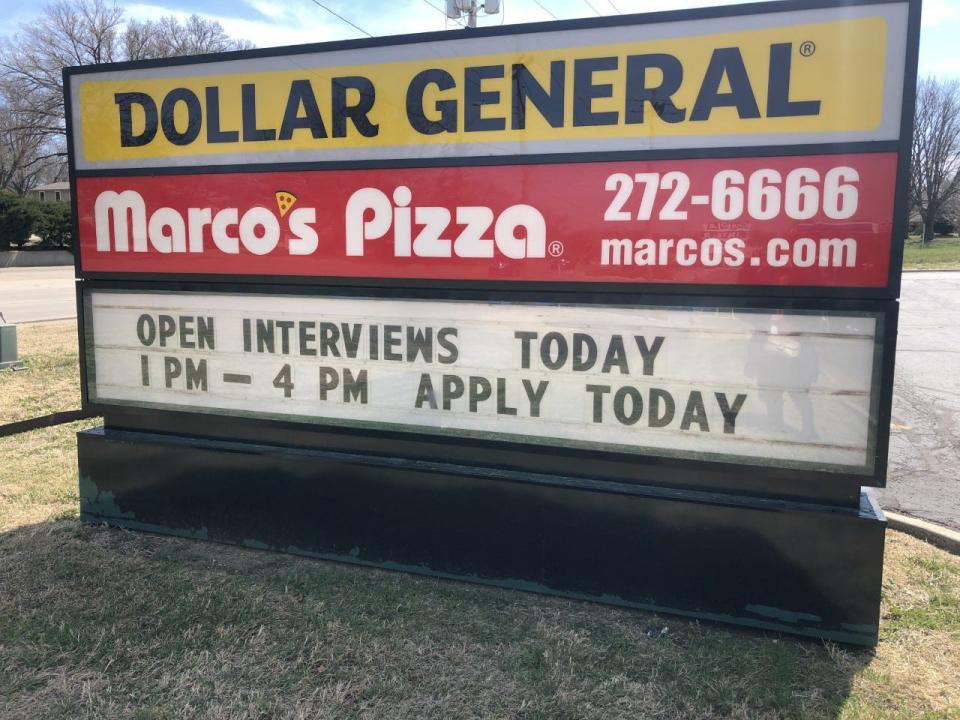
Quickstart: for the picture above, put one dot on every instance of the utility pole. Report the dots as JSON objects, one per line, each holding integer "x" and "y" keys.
{"x": 470, "y": 8}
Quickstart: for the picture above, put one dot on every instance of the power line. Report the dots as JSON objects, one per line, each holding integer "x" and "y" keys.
{"x": 336, "y": 14}
{"x": 544, "y": 8}
{"x": 614, "y": 7}
{"x": 439, "y": 10}
{"x": 595, "y": 11}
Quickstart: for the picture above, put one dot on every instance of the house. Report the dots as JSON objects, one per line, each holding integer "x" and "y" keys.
{"x": 52, "y": 192}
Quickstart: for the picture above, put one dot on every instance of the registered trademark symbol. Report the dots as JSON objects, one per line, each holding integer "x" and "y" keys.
{"x": 555, "y": 248}
{"x": 807, "y": 48}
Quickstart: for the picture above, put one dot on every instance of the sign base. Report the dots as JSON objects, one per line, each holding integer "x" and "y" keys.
{"x": 800, "y": 568}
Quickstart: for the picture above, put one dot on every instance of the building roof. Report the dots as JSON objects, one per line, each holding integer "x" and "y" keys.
{"x": 53, "y": 186}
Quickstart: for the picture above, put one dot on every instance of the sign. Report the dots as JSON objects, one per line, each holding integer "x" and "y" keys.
{"x": 805, "y": 220}
{"x": 744, "y": 150}
{"x": 770, "y": 78}
{"x": 790, "y": 389}
{"x": 513, "y": 305}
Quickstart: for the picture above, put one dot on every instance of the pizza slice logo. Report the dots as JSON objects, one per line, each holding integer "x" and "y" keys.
{"x": 285, "y": 201}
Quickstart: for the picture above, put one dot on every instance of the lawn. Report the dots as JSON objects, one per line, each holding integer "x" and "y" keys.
{"x": 51, "y": 381}
{"x": 103, "y": 623}
{"x": 942, "y": 254}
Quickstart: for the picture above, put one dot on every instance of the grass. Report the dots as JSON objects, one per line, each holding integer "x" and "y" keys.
{"x": 51, "y": 381}
{"x": 103, "y": 623}
{"x": 941, "y": 254}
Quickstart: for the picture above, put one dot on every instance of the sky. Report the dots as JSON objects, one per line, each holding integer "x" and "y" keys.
{"x": 288, "y": 22}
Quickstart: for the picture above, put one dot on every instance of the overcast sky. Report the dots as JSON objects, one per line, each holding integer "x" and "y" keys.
{"x": 288, "y": 22}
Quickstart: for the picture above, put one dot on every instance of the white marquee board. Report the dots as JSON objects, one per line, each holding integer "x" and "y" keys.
{"x": 762, "y": 387}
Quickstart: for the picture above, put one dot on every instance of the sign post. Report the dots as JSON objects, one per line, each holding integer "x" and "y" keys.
{"x": 603, "y": 308}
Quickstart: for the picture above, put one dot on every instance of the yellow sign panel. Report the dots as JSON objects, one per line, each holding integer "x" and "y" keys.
{"x": 822, "y": 77}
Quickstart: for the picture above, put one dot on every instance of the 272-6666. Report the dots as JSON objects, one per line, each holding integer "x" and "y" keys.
{"x": 765, "y": 194}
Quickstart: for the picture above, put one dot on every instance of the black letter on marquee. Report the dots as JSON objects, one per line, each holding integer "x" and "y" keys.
{"x": 525, "y": 337}
{"x": 214, "y": 133}
{"x": 448, "y": 108}
{"x": 655, "y": 418}
{"x": 636, "y": 405}
{"x": 265, "y": 336}
{"x": 248, "y": 108}
{"x": 194, "y": 116}
{"x": 392, "y": 338}
{"x": 584, "y": 91}
{"x": 205, "y": 335}
{"x": 196, "y": 375}
{"x": 146, "y": 329}
{"x": 329, "y": 337}
{"x": 779, "y": 103}
{"x": 308, "y": 336}
{"x": 358, "y": 112}
{"x": 355, "y": 389}
{"x": 502, "y": 407}
{"x": 419, "y": 342}
{"x": 616, "y": 356}
{"x": 598, "y": 392}
{"x": 425, "y": 392}
{"x": 695, "y": 413}
{"x": 301, "y": 92}
{"x": 660, "y": 96}
{"x": 451, "y": 347}
{"x": 480, "y": 390}
{"x": 535, "y": 395}
{"x": 329, "y": 380}
{"x": 725, "y": 62}
{"x": 285, "y": 326}
{"x": 648, "y": 353}
{"x": 553, "y": 338}
{"x": 730, "y": 412}
{"x": 351, "y": 338}
{"x": 525, "y": 87}
{"x": 168, "y": 328}
{"x": 125, "y": 101}
{"x": 452, "y": 389}
{"x": 583, "y": 362}
{"x": 475, "y": 98}
{"x": 172, "y": 369}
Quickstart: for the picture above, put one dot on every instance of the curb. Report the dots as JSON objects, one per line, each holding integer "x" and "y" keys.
{"x": 43, "y": 320}
{"x": 943, "y": 537}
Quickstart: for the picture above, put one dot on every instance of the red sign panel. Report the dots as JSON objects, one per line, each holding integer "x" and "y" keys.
{"x": 823, "y": 220}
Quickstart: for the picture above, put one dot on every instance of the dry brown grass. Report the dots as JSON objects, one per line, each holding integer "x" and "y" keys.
{"x": 101, "y": 623}
{"x": 38, "y": 475}
{"x": 51, "y": 382}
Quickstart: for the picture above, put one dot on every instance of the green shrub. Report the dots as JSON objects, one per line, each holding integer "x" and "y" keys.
{"x": 54, "y": 224}
{"x": 18, "y": 217}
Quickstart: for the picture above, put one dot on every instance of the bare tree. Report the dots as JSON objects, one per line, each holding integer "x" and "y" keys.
{"x": 168, "y": 37}
{"x": 70, "y": 33}
{"x": 27, "y": 159}
{"x": 77, "y": 33}
{"x": 950, "y": 212}
{"x": 935, "y": 166}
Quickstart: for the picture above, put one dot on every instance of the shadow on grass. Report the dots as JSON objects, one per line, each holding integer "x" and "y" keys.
{"x": 98, "y": 622}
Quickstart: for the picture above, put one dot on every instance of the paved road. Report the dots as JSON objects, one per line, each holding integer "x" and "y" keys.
{"x": 924, "y": 478}
{"x": 37, "y": 293}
